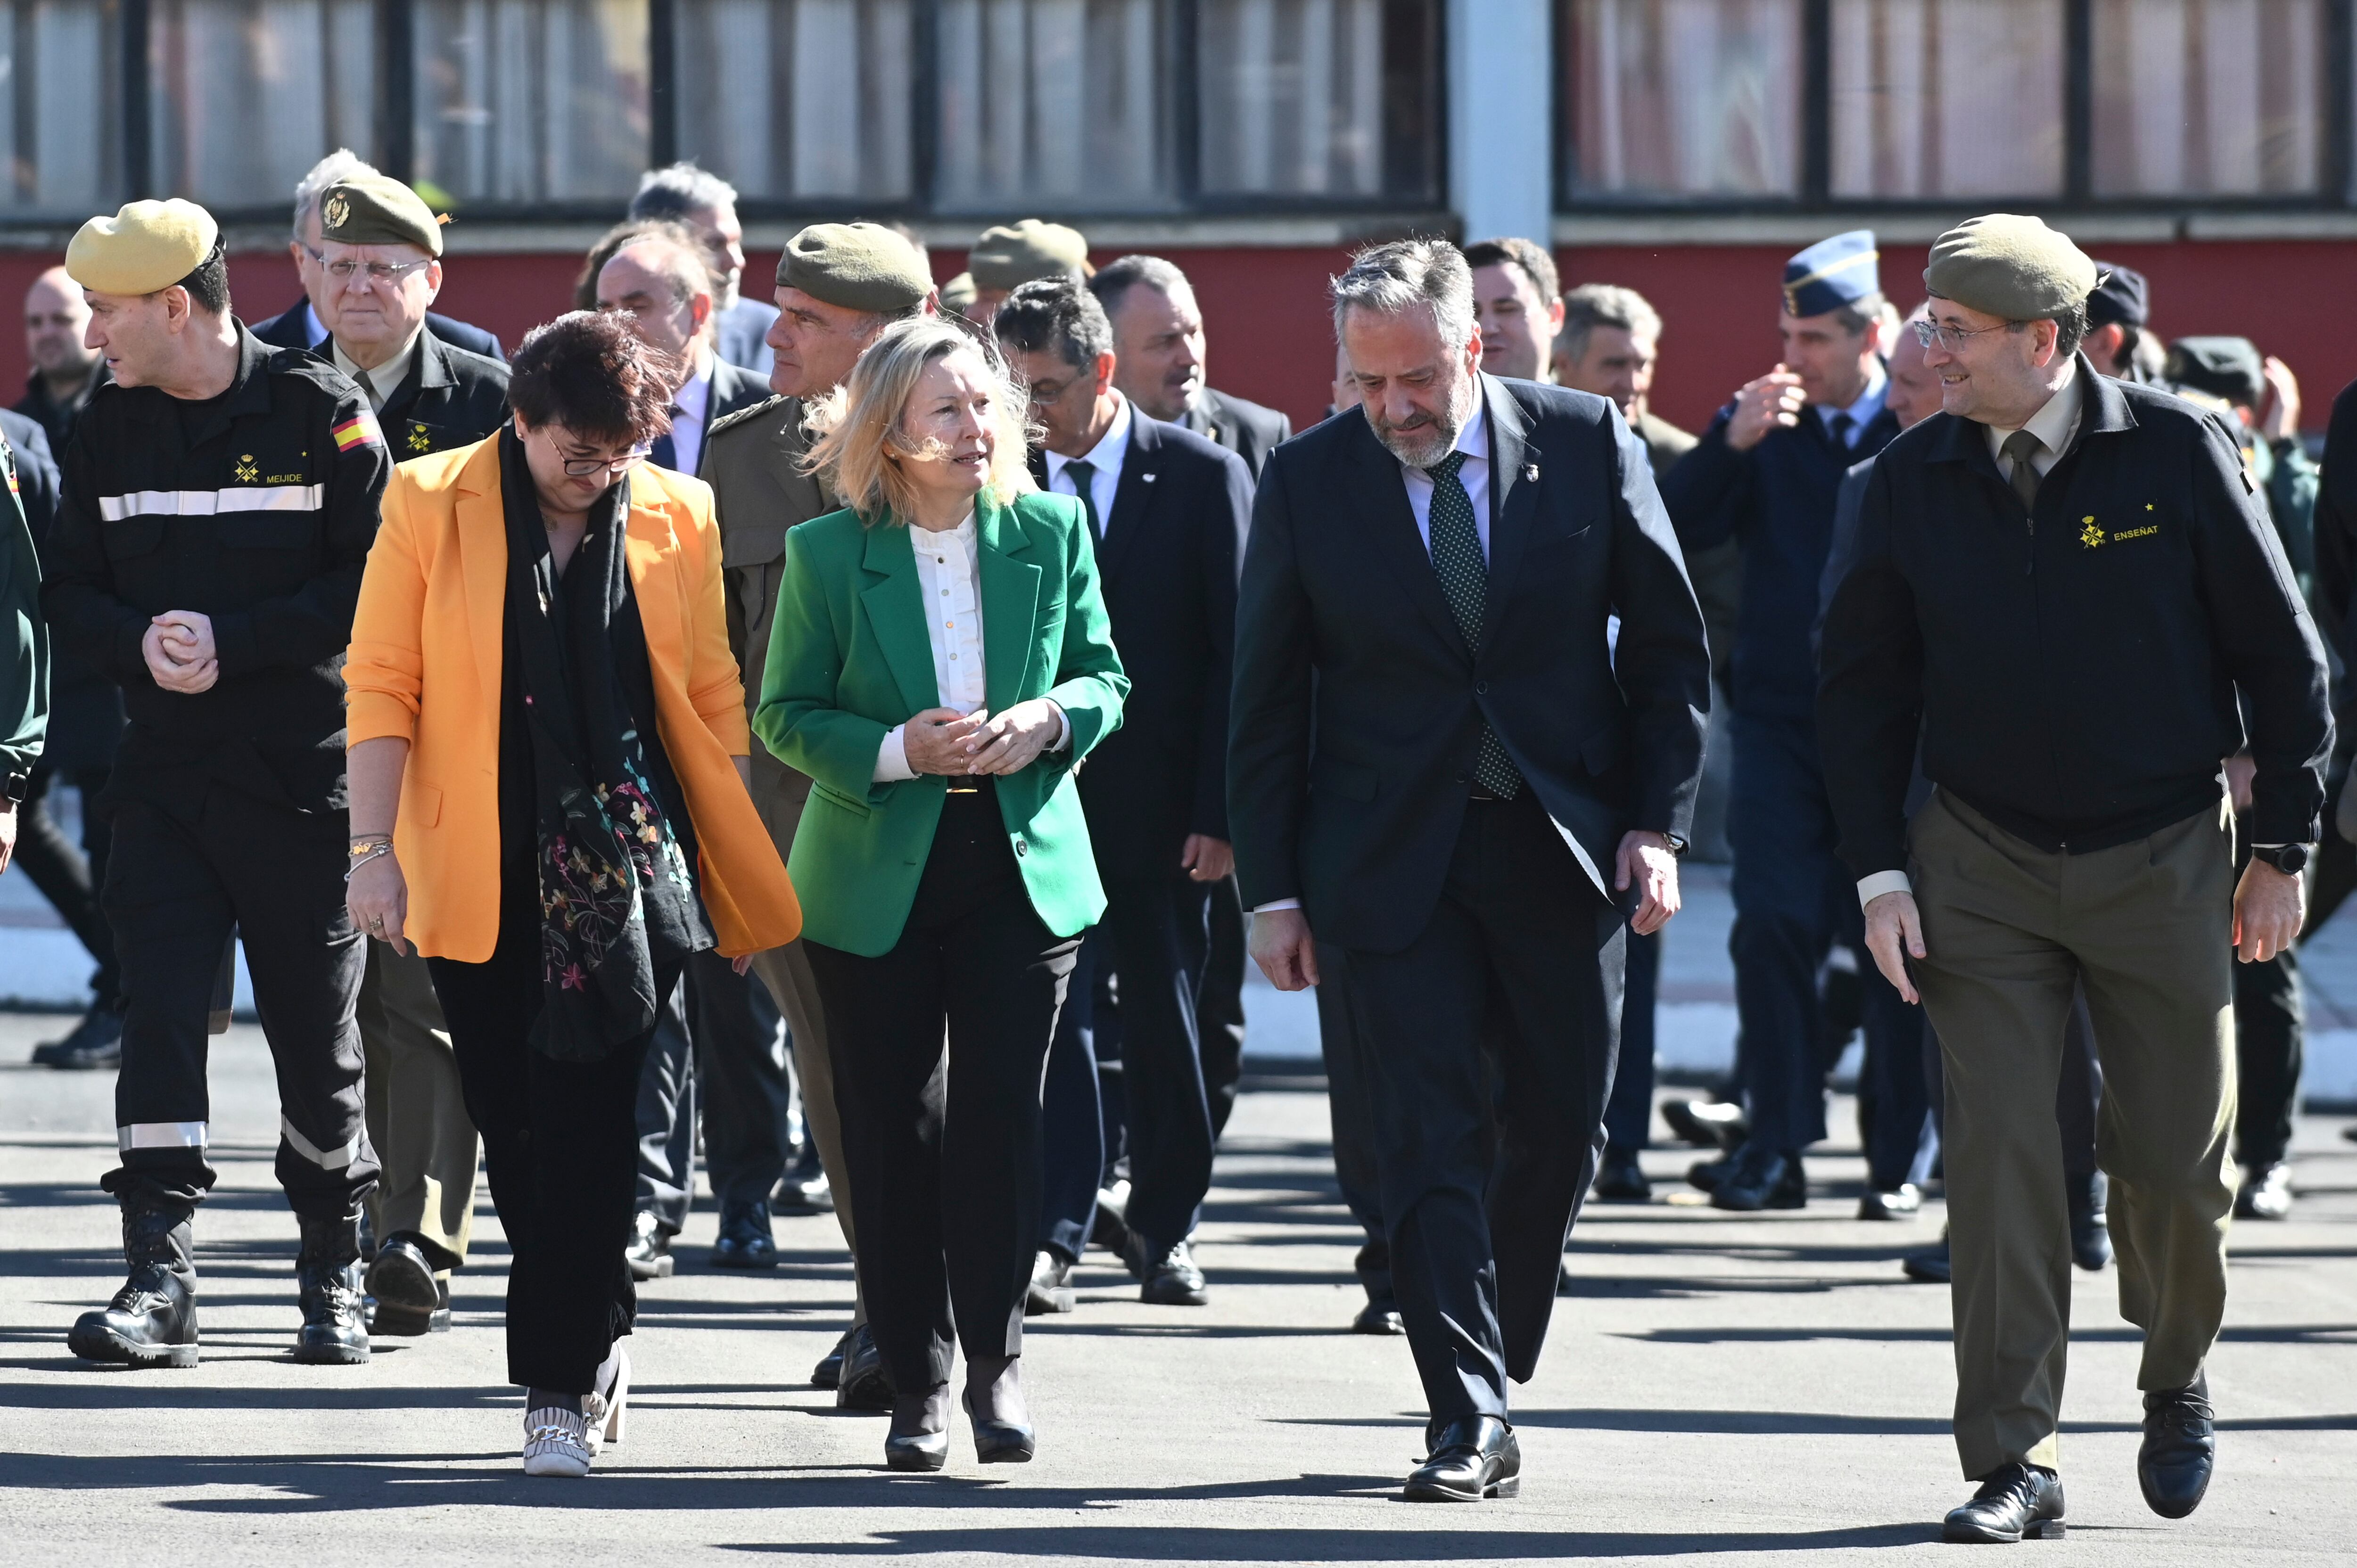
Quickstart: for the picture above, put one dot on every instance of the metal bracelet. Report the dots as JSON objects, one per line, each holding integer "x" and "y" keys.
{"x": 374, "y": 852}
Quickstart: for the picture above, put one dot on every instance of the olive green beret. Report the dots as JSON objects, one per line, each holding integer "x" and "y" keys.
{"x": 1011, "y": 256}
{"x": 959, "y": 293}
{"x": 2231, "y": 368}
{"x": 859, "y": 267}
{"x": 2010, "y": 265}
{"x": 377, "y": 210}
{"x": 148, "y": 245}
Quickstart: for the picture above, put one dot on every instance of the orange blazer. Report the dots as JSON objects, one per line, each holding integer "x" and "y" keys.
{"x": 425, "y": 665}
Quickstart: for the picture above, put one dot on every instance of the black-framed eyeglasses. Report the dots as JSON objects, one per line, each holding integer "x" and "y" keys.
{"x": 582, "y": 467}
{"x": 1953, "y": 339}
{"x": 380, "y": 274}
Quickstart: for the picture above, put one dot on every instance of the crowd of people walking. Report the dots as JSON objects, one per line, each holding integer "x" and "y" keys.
{"x": 864, "y": 730}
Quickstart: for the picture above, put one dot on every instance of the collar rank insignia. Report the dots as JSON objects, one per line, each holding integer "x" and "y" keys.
{"x": 246, "y": 472}
{"x": 420, "y": 439}
{"x": 2091, "y": 535}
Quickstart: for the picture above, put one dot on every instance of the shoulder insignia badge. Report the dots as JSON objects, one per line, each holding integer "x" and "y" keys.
{"x": 361, "y": 430}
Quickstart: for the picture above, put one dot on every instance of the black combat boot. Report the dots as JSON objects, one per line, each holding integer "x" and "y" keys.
{"x": 152, "y": 1321}
{"x": 334, "y": 1333}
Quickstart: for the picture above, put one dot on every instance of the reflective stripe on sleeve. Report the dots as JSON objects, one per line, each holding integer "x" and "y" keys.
{"x": 209, "y": 503}
{"x": 161, "y": 1136}
{"x": 325, "y": 1159}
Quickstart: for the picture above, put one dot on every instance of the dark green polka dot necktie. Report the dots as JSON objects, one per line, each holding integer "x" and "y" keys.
{"x": 1465, "y": 579}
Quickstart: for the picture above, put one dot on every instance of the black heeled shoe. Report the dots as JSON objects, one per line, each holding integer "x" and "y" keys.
{"x": 919, "y": 1439}
{"x": 993, "y": 1402}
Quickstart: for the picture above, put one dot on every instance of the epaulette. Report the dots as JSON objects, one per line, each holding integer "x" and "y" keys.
{"x": 744, "y": 415}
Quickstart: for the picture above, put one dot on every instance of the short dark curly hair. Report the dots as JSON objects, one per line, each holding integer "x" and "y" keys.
{"x": 1055, "y": 316}
{"x": 590, "y": 373}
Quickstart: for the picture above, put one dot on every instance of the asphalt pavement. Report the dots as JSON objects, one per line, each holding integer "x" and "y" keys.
{"x": 1755, "y": 1389}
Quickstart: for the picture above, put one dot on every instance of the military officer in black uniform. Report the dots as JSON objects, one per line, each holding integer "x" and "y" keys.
{"x": 218, "y": 505}
{"x": 380, "y": 266}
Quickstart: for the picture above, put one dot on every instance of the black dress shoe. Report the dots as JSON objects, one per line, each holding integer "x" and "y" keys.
{"x": 1050, "y": 1288}
{"x": 1379, "y": 1317}
{"x": 1110, "y": 1228}
{"x": 1620, "y": 1179}
{"x": 1901, "y": 1202}
{"x": 865, "y": 1384}
{"x": 919, "y": 1438}
{"x": 2090, "y": 1231}
{"x": 649, "y": 1254}
{"x": 1707, "y": 1173}
{"x": 1928, "y": 1266}
{"x": 2179, "y": 1447}
{"x": 1761, "y": 1178}
{"x": 745, "y": 1241}
{"x": 2266, "y": 1192}
{"x": 92, "y": 1045}
{"x": 1168, "y": 1275}
{"x": 828, "y": 1373}
{"x": 1707, "y": 1124}
{"x": 409, "y": 1300}
{"x": 2015, "y": 1500}
{"x": 1472, "y": 1457}
{"x": 804, "y": 1190}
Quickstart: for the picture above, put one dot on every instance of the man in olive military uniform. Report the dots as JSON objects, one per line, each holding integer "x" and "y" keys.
{"x": 1006, "y": 258}
{"x": 218, "y": 505}
{"x": 2062, "y": 584}
{"x": 380, "y": 266}
{"x": 838, "y": 285}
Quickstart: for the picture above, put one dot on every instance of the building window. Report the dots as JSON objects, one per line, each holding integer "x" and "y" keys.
{"x": 2209, "y": 97}
{"x": 796, "y": 99}
{"x": 526, "y": 102}
{"x": 1680, "y": 98}
{"x": 60, "y": 107}
{"x": 1912, "y": 84}
{"x": 1320, "y": 98}
{"x": 247, "y": 94}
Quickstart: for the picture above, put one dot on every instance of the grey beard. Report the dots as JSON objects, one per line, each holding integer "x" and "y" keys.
{"x": 1429, "y": 444}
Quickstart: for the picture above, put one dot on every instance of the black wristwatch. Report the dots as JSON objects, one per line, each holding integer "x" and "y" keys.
{"x": 2291, "y": 859}
{"x": 16, "y": 787}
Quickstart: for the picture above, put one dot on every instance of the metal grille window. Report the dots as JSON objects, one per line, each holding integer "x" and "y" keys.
{"x": 1676, "y": 98}
{"x": 1913, "y": 86}
{"x": 2209, "y": 97}
{"x": 248, "y": 94}
{"x": 60, "y": 107}
{"x": 531, "y": 102}
{"x": 798, "y": 98}
{"x": 1300, "y": 98}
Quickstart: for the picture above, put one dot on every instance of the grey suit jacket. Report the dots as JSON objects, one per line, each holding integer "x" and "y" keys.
{"x": 1247, "y": 429}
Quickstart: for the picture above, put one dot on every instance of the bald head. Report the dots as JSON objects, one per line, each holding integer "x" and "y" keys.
{"x": 666, "y": 290}
{"x": 55, "y": 321}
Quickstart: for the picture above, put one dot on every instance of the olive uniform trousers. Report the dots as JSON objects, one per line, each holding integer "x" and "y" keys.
{"x": 2009, "y": 928}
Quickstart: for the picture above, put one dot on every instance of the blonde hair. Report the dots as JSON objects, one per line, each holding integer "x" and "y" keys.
{"x": 857, "y": 431}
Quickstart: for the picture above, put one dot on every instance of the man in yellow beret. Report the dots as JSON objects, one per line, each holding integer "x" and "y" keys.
{"x": 216, "y": 511}
{"x": 2061, "y": 584}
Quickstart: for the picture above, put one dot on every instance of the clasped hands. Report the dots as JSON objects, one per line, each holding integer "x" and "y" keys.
{"x": 947, "y": 741}
{"x": 180, "y": 650}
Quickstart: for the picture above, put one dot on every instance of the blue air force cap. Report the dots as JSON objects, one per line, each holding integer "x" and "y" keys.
{"x": 1831, "y": 274}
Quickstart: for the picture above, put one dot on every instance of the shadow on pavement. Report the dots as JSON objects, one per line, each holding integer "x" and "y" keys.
{"x": 1162, "y": 1543}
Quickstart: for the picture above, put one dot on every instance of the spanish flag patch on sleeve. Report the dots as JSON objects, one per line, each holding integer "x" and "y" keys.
{"x": 361, "y": 430}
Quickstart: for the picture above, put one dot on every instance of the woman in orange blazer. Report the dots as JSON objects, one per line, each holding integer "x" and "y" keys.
{"x": 548, "y": 771}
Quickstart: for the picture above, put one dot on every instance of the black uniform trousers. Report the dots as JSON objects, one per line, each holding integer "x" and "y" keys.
{"x": 558, "y": 1141}
{"x": 1071, "y": 1110}
{"x": 945, "y": 1168}
{"x": 68, "y": 878}
{"x": 1629, "y": 1118}
{"x": 1479, "y": 1188}
{"x": 1159, "y": 927}
{"x": 176, "y": 885}
{"x": 1351, "y": 1118}
{"x": 1220, "y": 1004}
{"x": 719, "y": 1055}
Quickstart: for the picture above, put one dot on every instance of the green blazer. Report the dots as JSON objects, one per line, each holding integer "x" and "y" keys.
{"x": 849, "y": 659}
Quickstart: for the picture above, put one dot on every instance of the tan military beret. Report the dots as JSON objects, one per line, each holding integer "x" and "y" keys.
{"x": 377, "y": 210}
{"x": 1010, "y": 256}
{"x": 2010, "y": 265}
{"x": 859, "y": 267}
{"x": 959, "y": 293}
{"x": 148, "y": 245}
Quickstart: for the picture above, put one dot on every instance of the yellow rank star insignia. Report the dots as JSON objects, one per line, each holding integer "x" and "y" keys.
{"x": 246, "y": 472}
{"x": 420, "y": 439}
{"x": 2091, "y": 535}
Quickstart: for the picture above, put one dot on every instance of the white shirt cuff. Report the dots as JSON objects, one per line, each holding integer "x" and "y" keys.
{"x": 1276, "y": 903}
{"x": 1063, "y": 728}
{"x": 892, "y": 759}
{"x": 1870, "y": 888}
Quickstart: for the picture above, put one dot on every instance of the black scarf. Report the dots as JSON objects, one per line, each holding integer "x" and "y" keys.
{"x": 615, "y": 890}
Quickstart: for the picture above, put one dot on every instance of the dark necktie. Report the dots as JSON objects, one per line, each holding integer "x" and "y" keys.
{"x": 2021, "y": 445}
{"x": 665, "y": 454}
{"x": 1841, "y": 425}
{"x": 1083, "y": 474}
{"x": 1465, "y": 579}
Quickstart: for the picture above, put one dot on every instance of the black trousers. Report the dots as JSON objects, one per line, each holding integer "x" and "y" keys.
{"x": 1479, "y": 1190}
{"x": 718, "y": 1057}
{"x": 945, "y": 1156}
{"x": 176, "y": 886}
{"x": 558, "y": 1145}
{"x": 1629, "y": 1119}
{"x": 665, "y": 1116}
{"x": 1071, "y": 1112}
{"x": 1352, "y": 1119}
{"x": 70, "y": 878}
{"x": 1220, "y": 1004}
{"x": 1159, "y": 929}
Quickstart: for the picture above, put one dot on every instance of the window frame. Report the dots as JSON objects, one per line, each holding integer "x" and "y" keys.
{"x": 2337, "y": 169}
{"x": 396, "y": 149}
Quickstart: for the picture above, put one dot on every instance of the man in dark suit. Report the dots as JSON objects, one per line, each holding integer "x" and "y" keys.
{"x": 1438, "y": 764}
{"x": 302, "y": 325}
{"x": 1168, "y": 509}
{"x": 1159, "y": 341}
{"x": 666, "y": 290}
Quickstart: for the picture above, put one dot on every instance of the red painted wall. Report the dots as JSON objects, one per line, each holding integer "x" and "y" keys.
{"x": 1270, "y": 340}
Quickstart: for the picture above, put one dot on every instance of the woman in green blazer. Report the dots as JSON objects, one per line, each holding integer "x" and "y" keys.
{"x": 938, "y": 664}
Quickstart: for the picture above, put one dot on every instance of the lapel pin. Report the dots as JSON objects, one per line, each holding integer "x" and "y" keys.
{"x": 1146, "y": 478}
{"x": 1530, "y": 470}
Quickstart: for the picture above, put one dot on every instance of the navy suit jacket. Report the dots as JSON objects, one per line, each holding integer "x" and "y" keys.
{"x": 1358, "y": 706}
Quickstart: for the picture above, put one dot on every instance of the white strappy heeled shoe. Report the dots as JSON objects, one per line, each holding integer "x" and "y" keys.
{"x": 605, "y": 1412}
